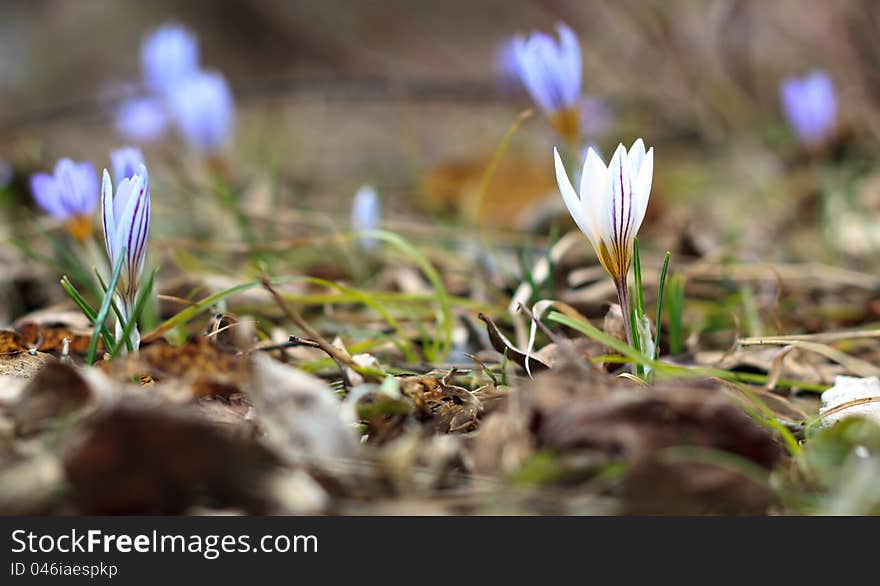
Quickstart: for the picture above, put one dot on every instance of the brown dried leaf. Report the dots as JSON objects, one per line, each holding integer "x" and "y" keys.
{"x": 50, "y": 338}
{"x": 638, "y": 427}
{"x": 208, "y": 369}
{"x": 56, "y": 392}
{"x": 450, "y": 408}
{"x": 139, "y": 459}
{"x": 300, "y": 415}
{"x": 22, "y": 364}
{"x": 30, "y": 480}
{"x": 12, "y": 342}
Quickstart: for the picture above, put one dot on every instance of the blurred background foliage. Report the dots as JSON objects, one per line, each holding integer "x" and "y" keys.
{"x": 405, "y": 95}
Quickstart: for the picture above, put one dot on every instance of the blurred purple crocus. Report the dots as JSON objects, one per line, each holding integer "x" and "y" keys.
{"x": 366, "y": 215}
{"x": 169, "y": 56}
{"x": 810, "y": 106}
{"x": 125, "y": 162}
{"x": 203, "y": 109}
{"x": 551, "y": 72}
{"x": 126, "y": 220}
{"x": 142, "y": 119}
{"x": 70, "y": 194}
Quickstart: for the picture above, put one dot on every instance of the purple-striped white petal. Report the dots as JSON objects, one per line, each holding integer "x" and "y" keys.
{"x": 126, "y": 220}
{"x": 612, "y": 202}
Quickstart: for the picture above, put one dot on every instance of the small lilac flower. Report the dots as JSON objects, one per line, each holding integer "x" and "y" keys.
{"x": 810, "y": 105}
{"x": 169, "y": 56}
{"x": 551, "y": 72}
{"x": 70, "y": 194}
{"x": 126, "y": 220}
{"x": 366, "y": 215}
{"x": 142, "y": 119}
{"x": 126, "y": 162}
{"x": 203, "y": 108}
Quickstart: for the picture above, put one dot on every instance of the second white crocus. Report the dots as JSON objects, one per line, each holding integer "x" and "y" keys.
{"x": 610, "y": 206}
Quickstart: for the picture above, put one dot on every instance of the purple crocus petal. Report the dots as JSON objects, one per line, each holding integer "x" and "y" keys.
{"x": 550, "y": 70}
{"x": 810, "y": 106}
{"x": 125, "y": 162}
{"x": 203, "y": 110}
{"x": 141, "y": 119}
{"x": 507, "y": 66}
{"x": 570, "y": 60}
{"x": 46, "y": 194}
{"x": 87, "y": 186}
{"x": 535, "y": 74}
{"x": 71, "y": 190}
{"x": 65, "y": 178}
{"x": 169, "y": 56}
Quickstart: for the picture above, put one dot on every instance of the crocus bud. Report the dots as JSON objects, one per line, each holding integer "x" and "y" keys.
{"x": 169, "y": 56}
{"x": 203, "y": 108}
{"x": 126, "y": 219}
{"x": 551, "y": 72}
{"x": 810, "y": 106}
{"x": 366, "y": 215}
{"x": 70, "y": 194}
{"x": 126, "y": 162}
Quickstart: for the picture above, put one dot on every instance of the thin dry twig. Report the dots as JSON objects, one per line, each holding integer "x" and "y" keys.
{"x": 315, "y": 336}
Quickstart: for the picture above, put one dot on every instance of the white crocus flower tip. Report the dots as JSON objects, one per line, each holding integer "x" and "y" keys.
{"x": 611, "y": 202}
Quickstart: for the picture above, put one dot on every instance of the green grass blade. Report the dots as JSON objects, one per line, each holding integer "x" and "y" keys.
{"x": 630, "y": 355}
{"x": 660, "y": 291}
{"x": 105, "y": 307}
{"x": 404, "y": 345}
{"x": 637, "y": 274}
{"x": 86, "y": 309}
{"x": 676, "y": 301}
{"x": 443, "y": 341}
{"x": 116, "y": 311}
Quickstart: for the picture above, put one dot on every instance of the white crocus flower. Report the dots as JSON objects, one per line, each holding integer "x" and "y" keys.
{"x": 611, "y": 206}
